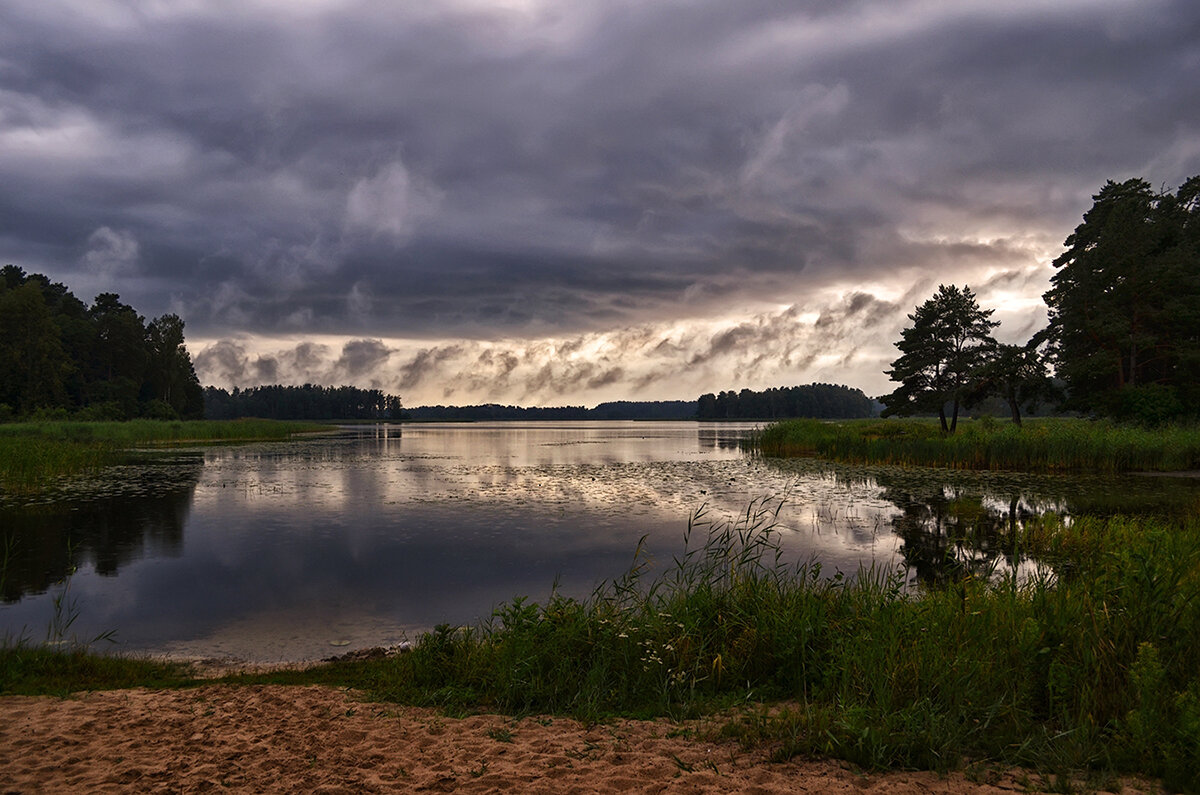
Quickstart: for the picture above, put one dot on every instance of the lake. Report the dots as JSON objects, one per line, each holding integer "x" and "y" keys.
{"x": 292, "y": 551}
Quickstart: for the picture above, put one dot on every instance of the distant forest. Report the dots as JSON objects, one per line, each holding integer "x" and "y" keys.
{"x": 61, "y": 357}
{"x": 814, "y": 400}
{"x": 618, "y": 410}
{"x": 310, "y": 402}
{"x": 827, "y": 401}
{"x": 306, "y": 402}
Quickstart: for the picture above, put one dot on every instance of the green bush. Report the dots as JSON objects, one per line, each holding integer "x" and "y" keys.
{"x": 159, "y": 410}
{"x": 1152, "y": 405}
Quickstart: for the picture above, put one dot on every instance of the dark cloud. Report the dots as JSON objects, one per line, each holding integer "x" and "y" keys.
{"x": 424, "y": 363}
{"x": 224, "y": 362}
{"x": 452, "y": 169}
{"x": 266, "y": 370}
{"x": 361, "y": 359}
{"x": 861, "y": 310}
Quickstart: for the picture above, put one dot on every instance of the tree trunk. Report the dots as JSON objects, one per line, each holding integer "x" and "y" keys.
{"x": 1133, "y": 362}
{"x": 954, "y": 418}
{"x": 942, "y": 417}
{"x": 1015, "y": 406}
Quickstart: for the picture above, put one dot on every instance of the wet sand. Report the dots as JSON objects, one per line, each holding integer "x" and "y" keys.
{"x": 317, "y": 739}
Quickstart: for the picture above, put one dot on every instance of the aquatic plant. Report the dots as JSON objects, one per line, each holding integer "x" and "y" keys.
{"x": 1043, "y": 445}
{"x": 34, "y": 454}
{"x": 27, "y": 462}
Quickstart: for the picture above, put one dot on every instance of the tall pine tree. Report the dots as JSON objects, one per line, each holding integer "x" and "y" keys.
{"x": 1124, "y": 305}
{"x": 940, "y": 354}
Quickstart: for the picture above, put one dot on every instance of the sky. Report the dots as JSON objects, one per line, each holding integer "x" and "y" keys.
{"x": 564, "y": 202}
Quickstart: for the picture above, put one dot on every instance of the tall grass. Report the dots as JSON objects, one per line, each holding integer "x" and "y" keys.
{"x": 1046, "y": 445}
{"x": 26, "y": 462}
{"x": 135, "y": 432}
{"x": 31, "y": 669}
{"x": 33, "y": 454}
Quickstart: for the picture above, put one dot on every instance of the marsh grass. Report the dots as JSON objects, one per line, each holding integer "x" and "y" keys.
{"x": 34, "y": 454}
{"x": 27, "y": 462}
{"x": 151, "y": 432}
{"x": 1043, "y": 445}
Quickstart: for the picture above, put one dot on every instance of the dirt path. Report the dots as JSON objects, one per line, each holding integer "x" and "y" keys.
{"x": 318, "y": 739}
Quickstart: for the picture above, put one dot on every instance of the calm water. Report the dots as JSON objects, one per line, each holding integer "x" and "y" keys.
{"x": 300, "y": 550}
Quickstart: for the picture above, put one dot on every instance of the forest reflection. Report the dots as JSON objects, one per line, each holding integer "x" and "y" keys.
{"x": 951, "y": 536}
{"x": 137, "y": 511}
{"x": 958, "y": 525}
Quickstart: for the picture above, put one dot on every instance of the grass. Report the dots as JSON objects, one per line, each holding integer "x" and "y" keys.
{"x": 28, "y": 462}
{"x": 1094, "y": 666}
{"x": 34, "y": 454}
{"x": 1044, "y": 445}
{"x": 149, "y": 432}
{"x": 28, "y": 669}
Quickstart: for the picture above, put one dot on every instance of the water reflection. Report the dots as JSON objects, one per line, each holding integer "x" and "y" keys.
{"x": 951, "y": 525}
{"x": 275, "y": 551}
{"x": 136, "y": 510}
{"x": 953, "y": 536}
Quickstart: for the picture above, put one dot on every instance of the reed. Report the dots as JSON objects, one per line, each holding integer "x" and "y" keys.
{"x": 1045, "y": 445}
{"x": 29, "y": 462}
{"x": 134, "y": 432}
{"x": 34, "y": 454}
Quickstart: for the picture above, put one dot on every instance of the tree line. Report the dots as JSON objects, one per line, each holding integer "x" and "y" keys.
{"x": 1123, "y": 337}
{"x": 828, "y": 401}
{"x": 307, "y": 402}
{"x": 613, "y": 410}
{"x": 59, "y": 356}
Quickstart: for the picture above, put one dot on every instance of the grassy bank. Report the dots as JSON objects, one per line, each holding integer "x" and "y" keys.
{"x": 33, "y": 454}
{"x": 1044, "y": 445}
{"x": 42, "y": 670}
{"x": 1095, "y": 668}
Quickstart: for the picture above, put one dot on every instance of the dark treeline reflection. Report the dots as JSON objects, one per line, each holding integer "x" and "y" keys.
{"x": 954, "y": 528}
{"x": 950, "y": 536}
{"x": 716, "y": 438}
{"x": 125, "y": 521}
{"x": 956, "y": 524}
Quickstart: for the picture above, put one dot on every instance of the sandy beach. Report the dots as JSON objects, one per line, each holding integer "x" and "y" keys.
{"x": 317, "y": 739}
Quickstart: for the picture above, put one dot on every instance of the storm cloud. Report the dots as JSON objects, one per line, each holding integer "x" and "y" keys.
{"x": 436, "y": 196}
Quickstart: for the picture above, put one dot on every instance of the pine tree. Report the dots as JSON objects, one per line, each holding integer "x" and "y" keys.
{"x": 940, "y": 352}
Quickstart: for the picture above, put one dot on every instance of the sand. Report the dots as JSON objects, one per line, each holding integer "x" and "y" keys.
{"x": 317, "y": 739}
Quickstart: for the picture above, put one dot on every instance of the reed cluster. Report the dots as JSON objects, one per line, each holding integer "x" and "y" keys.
{"x": 29, "y": 462}
{"x": 34, "y": 454}
{"x": 1044, "y": 445}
